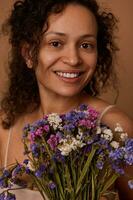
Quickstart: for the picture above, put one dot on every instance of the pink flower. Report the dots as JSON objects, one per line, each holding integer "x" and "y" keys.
{"x": 53, "y": 141}
{"x": 46, "y": 128}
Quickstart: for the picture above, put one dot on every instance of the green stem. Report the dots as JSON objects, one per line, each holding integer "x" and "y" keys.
{"x": 85, "y": 169}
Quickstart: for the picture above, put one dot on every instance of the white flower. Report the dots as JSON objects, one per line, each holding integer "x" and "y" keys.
{"x": 80, "y": 134}
{"x": 29, "y": 165}
{"x": 98, "y": 131}
{"x": 65, "y": 149}
{"x": 77, "y": 143}
{"x": 115, "y": 144}
{"x": 69, "y": 144}
{"x": 55, "y": 120}
{"x": 123, "y": 136}
{"x": 118, "y": 128}
{"x": 107, "y": 134}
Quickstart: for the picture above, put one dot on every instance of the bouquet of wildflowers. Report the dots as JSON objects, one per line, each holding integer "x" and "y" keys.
{"x": 71, "y": 156}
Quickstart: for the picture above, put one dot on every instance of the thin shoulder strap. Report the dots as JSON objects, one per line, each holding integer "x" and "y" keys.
{"x": 104, "y": 112}
{"x": 7, "y": 147}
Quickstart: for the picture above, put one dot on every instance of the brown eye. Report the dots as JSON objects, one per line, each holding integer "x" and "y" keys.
{"x": 55, "y": 44}
{"x": 87, "y": 46}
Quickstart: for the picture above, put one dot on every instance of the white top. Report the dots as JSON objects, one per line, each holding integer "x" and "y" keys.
{"x": 27, "y": 194}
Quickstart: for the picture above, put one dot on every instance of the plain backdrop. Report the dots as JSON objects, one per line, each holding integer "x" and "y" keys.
{"x": 123, "y": 9}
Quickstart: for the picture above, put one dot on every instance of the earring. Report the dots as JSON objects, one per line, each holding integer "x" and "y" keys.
{"x": 29, "y": 65}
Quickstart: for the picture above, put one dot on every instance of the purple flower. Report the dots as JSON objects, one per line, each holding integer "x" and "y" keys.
{"x": 35, "y": 149}
{"x": 86, "y": 123}
{"x": 52, "y": 185}
{"x": 26, "y": 161}
{"x": 41, "y": 122}
{"x": 53, "y": 141}
{"x": 57, "y": 157}
{"x": 27, "y": 170}
{"x": 130, "y": 184}
{"x": 87, "y": 148}
{"x": 83, "y": 107}
{"x": 7, "y": 196}
{"x": 70, "y": 116}
{"x": 6, "y": 173}
{"x": 129, "y": 158}
{"x": 129, "y": 145}
{"x": 3, "y": 182}
{"x": 90, "y": 141}
{"x": 117, "y": 154}
{"x": 46, "y": 128}
{"x": 69, "y": 127}
{"x": 93, "y": 114}
{"x": 116, "y": 166}
{"x": 2, "y": 196}
{"x": 18, "y": 170}
{"x": 100, "y": 164}
{"x": 39, "y": 173}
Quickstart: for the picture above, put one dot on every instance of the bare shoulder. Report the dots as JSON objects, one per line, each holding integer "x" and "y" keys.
{"x": 113, "y": 115}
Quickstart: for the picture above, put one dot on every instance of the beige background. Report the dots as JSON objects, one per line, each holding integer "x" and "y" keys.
{"x": 123, "y": 9}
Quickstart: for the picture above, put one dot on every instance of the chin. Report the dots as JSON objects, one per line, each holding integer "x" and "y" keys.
{"x": 69, "y": 93}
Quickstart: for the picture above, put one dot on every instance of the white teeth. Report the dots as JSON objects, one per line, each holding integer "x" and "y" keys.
{"x": 68, "y": 75}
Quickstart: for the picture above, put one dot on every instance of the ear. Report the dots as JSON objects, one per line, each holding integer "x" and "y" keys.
{"x": 26, "y": 53}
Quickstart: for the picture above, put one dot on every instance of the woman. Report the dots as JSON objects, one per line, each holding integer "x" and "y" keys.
{"x": 62, "y": 56}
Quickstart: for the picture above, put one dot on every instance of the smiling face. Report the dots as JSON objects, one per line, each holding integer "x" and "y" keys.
{"x": 68, "y": 52}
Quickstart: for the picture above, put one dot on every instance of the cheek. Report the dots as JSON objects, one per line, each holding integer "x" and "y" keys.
{"x": 91, "y": 62}
{"x": 46, "y": 58}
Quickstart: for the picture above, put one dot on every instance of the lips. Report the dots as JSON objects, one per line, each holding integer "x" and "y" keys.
{"x": 69, "y": 76}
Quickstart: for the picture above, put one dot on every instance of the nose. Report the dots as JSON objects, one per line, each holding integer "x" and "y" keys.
{"x": 72, "y": 56}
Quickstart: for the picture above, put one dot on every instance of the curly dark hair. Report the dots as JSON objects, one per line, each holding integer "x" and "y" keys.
{"x": 25, "y": 25}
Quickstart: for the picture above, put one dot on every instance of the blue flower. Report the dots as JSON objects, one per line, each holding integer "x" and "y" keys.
{"x": 117, "y": 154}
{"x": 129, "y": 158}
{"x": 99, "y": 164}
{"x": 6, "y": 173}
{"x": 18, "y": 170}
{"x": 26, "y": 161}
{"x": 129, "y": 145}
{"x": 117, "y": 168}
{"x": 57, "y": 157}
{"x": 7, "y": 196}
{"x": 52, "y": 185}
{"x": 4, "y": 183}
{"x": 83, "y": 107}
{"x": 69, "y": 127}
{"x": 27, "y": 170}
{"x": 35, "y": 149}
{"x": 2, "y": 196}
{"x": 39, "y": 173}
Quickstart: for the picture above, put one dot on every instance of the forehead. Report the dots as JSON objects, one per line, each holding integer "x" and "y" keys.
{"x": 74, "y": 18}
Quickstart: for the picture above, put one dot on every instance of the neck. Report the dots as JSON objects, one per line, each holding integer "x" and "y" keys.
{"x": 57, "y": 104}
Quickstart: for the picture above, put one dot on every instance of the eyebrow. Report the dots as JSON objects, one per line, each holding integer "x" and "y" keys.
{"x": 63, "y": 34}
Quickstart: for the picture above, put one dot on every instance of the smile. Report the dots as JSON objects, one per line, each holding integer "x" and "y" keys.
{"x": 68, "y": 75}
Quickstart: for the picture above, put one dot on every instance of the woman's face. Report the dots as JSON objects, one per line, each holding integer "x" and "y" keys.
{"x": 68, "y": 52}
